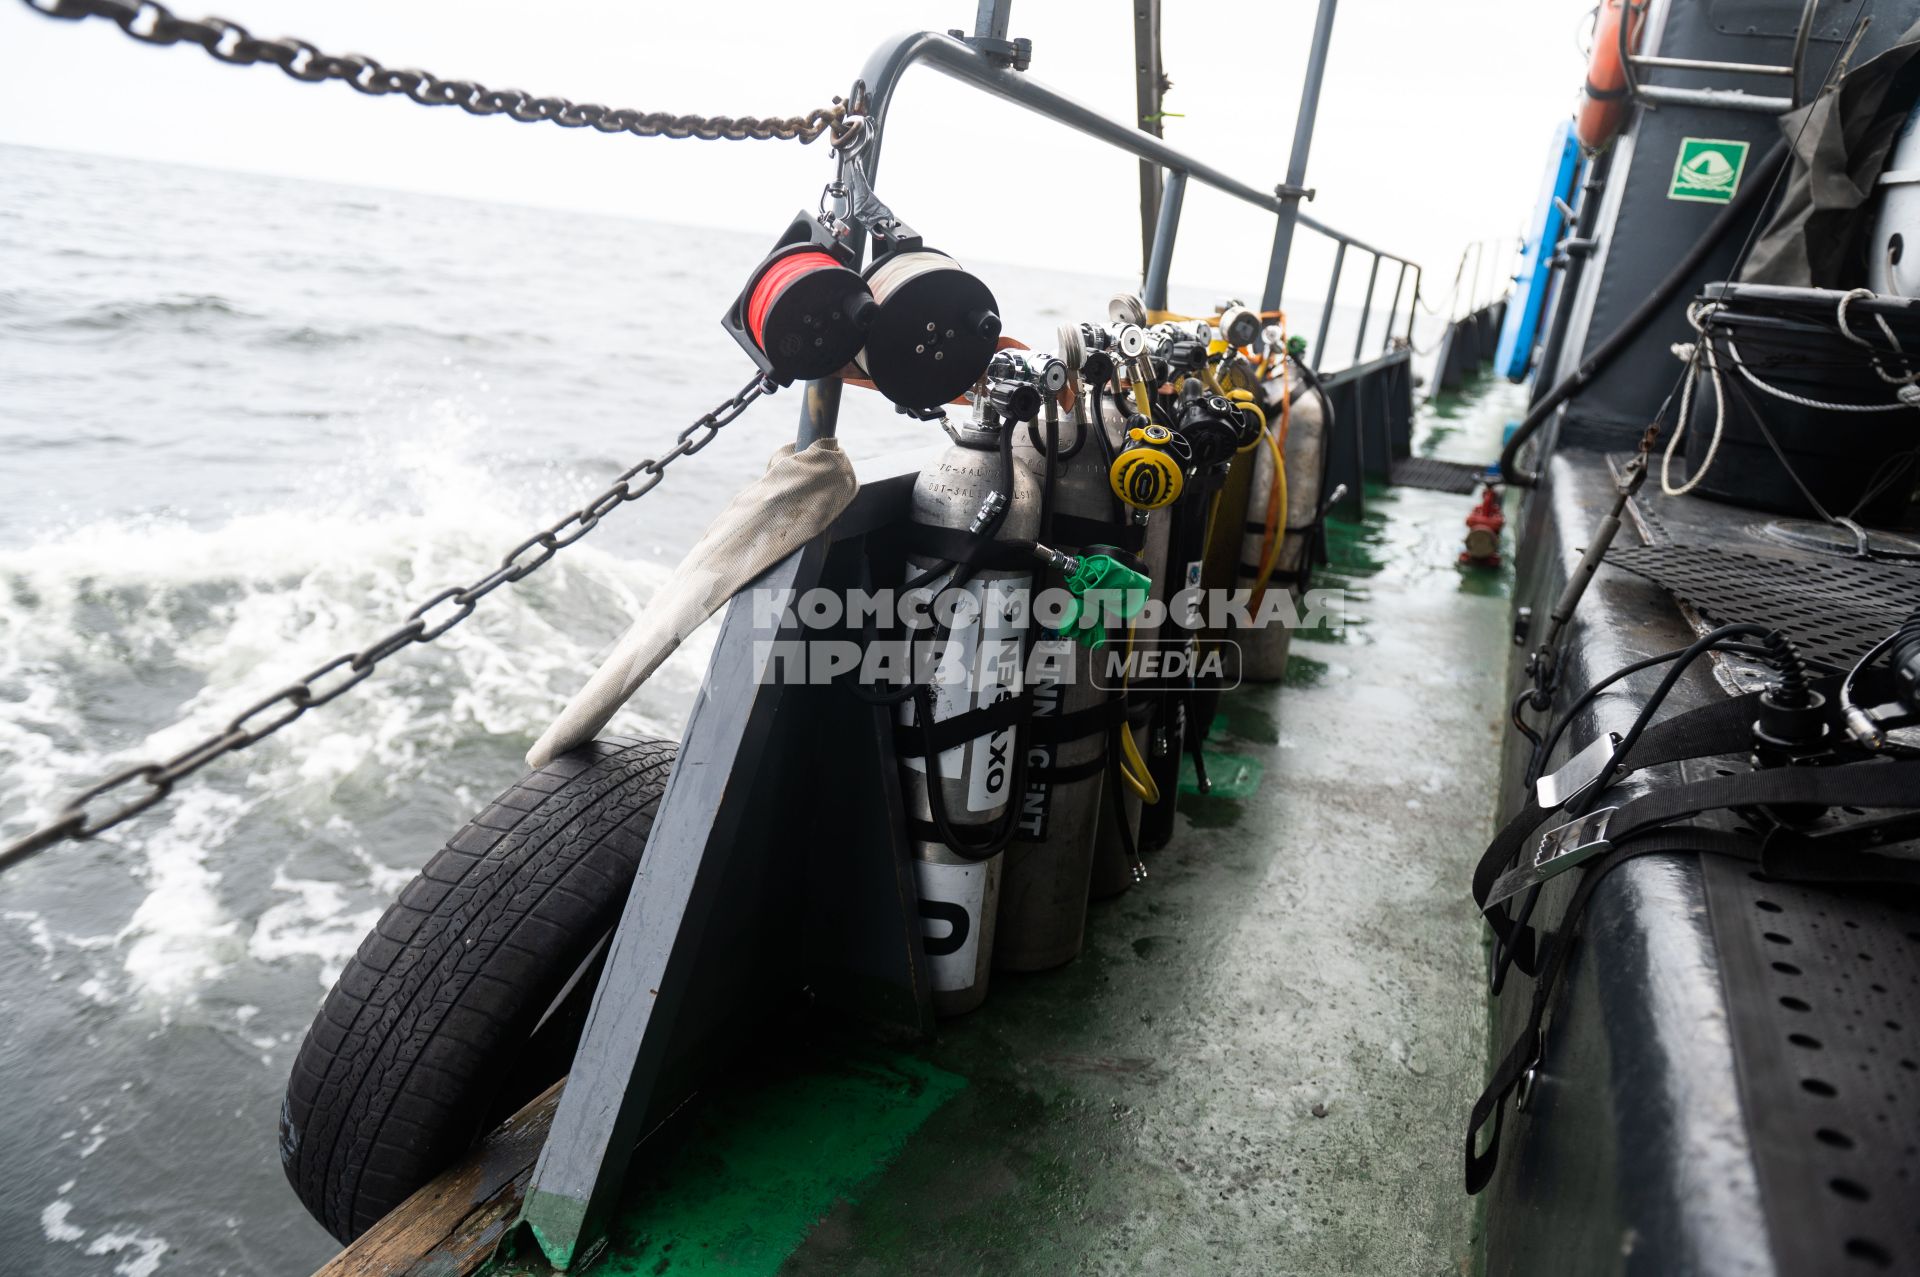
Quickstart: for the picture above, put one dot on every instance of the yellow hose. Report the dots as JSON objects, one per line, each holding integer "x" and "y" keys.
{"x": 1243, "y": 400}
{"x": 1141, "y": 784}
{"x": 1276, "y": 536}
{"x": 1276, "y": 530}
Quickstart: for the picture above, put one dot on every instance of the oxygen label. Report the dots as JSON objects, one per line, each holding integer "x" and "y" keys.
{"x": 953, "y": 901}
{"x": 996, "y": 670}
{"x": 1707, "y": 170}
{"x": 955, "y": 675}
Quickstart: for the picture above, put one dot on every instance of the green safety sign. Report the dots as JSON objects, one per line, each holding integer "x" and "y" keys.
{"x": 1707, "y": 170}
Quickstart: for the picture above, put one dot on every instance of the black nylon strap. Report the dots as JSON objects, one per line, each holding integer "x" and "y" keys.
{"x": 957, "y": 545}
{"x": 1068, "y": 774}
{"x": 1078, "y": 532}
{"x": 1641, "y": 826}
{"x": 1092, "y": 720}
{"x": 1723, "y": 727}
{"x": 1524, "y": 1053}
{"x": 1865, "y": 784}
{"x": 1279, "y": 576}
{"x": 961, "y": 728}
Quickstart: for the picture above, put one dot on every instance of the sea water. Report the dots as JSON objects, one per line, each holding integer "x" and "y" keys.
{"x": 246, "y": 423}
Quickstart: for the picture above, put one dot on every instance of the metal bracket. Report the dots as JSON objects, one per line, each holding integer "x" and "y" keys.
{"x": 990, "y": 36}
{"x": 1288, "y": 191}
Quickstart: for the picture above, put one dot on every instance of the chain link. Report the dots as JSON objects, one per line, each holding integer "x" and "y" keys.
{"x": 230, "y": 42}
{"x": 151, "y": 782}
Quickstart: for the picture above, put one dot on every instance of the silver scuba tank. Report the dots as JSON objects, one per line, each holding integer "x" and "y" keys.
{"x": 980, "y": 665}
{"x": 1043, "y": 886}
{"x": 1264, "y": 648}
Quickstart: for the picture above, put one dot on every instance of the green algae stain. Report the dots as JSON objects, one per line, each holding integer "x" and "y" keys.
{"x": 1243, "y": 718}
{"x": 1233, "y": 775}
{"x": 1206, "y": 813}
{"x": 1304, "y": 671}
{"x": 760, "y": 1167}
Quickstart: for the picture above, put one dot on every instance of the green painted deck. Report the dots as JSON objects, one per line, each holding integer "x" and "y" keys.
{"x": 1264, "y": 1058}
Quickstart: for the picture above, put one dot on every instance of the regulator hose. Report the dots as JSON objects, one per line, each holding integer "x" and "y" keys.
{"x": 1905, "y": 659}
{"x": 1753, "y": 192}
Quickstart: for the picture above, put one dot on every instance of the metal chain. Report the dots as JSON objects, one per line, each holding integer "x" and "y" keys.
{"x": 325, "y": 682}
{"x": 230, "y": 42}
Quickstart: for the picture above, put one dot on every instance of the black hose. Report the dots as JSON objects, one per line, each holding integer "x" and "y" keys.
{"x": 1905, "y": 658}
{"x": 1543, "y": 748}
{"x": 1753, "y": 191}
{"x": 1002, "y": 833}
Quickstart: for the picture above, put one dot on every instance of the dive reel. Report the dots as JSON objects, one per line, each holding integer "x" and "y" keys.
{"x": 921, "y": 328}
{"x": 805, "y": 311}
{"x": 937, "y": 326}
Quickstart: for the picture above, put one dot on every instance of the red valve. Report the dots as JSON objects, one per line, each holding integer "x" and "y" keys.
{"x": 1484, "y": 524}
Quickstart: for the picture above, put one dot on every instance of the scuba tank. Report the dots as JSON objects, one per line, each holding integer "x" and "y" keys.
{"x": 1212, "y": 431}
{"x": 961, "y": 821}
{"x": 1297, "y": 409}
{"x": 1234, "y": 376}
{"x": 1116, "y": 863}
{"x": 1048, "y": 866}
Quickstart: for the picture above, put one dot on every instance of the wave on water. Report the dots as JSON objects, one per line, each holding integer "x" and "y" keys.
{"x": 182, "y": 313}
{"x": 129, "y": 640}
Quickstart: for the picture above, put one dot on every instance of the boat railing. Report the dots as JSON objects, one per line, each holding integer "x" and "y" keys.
{"x": 983, "y": 62}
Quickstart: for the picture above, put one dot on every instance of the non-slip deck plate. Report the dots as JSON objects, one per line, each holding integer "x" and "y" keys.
{"x": 1833, "y": 609}
{"x": 1435, "y": 475}
{"x": 1823, "y": 997}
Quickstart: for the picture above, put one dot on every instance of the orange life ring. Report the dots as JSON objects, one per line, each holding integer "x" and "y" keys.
{"x": 1603, "y": 98}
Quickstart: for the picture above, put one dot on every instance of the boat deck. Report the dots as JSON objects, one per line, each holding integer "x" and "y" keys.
{"x": 1262, "y": 1061}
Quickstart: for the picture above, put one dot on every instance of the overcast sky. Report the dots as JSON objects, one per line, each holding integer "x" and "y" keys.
{"x": 1433, "y": 127}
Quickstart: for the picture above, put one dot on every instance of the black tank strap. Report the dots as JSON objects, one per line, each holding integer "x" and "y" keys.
{"x": 1643, "y": 826}
{"x": 1079, "y": 532}
{"x": 1724, "y": 727}
{"x": 946, "y": 733}
{"x": 1067, "y": 774}
{"x": 1092, "y": 720}
{"x": 956, "y": 545}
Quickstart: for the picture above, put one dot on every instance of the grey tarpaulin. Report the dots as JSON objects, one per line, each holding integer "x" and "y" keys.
{"x": 1816, "y": 237}
{"x": 794, "y": 501}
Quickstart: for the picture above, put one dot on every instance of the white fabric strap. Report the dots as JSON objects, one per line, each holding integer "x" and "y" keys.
{"x": 798, "y": 497}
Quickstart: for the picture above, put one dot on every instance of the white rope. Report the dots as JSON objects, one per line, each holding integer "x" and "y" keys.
{"x": 1740, "y": 364}
{"x": 1852, "y": 296}
{"x": 1692, "y": 353}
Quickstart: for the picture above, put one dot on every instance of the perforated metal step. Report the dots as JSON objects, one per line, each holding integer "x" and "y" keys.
{"x": 1834, "y": 609}
{"x": 1435, "y": 475}
{"x": 1823, "y": 994}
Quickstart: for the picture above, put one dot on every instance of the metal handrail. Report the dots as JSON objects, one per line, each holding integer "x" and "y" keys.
{"x": 1719, "y": 99}
{"x": 956, "y": 58}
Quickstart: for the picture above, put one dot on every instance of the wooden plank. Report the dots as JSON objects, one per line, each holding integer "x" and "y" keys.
{"x": 450, "y": 1227}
